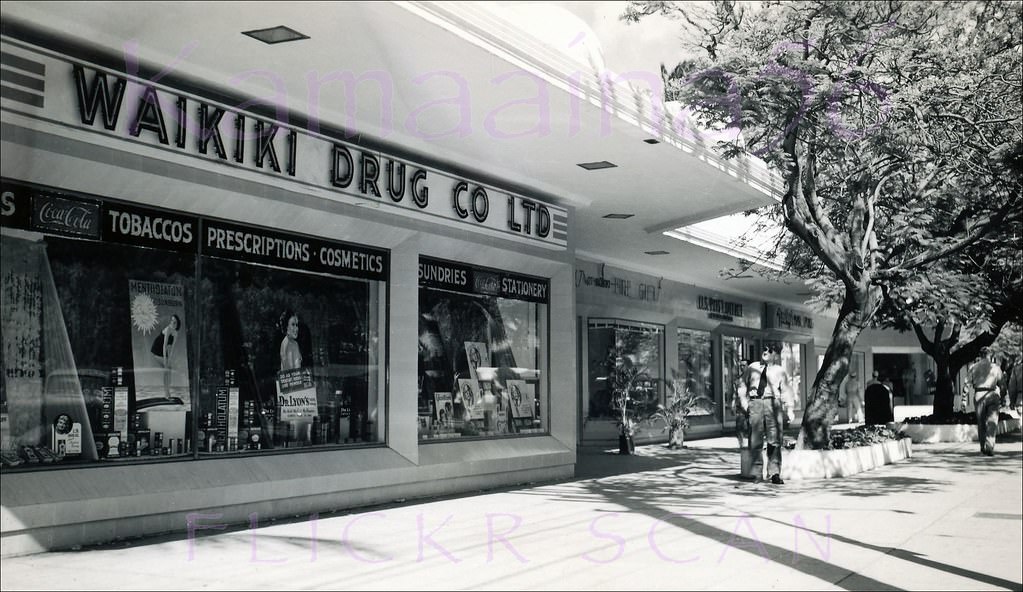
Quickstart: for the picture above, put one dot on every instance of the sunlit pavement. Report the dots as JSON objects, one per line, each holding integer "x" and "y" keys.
{"x": 949, "y": 518}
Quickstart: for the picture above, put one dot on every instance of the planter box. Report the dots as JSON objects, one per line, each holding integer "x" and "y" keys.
{"x": 827, "y": 464}
{"x": 934, "y": 433}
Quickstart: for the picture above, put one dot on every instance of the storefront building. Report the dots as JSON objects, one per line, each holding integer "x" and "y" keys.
{"x": 183, "y": 331}
{"x": 680, "y": 336}
{"x": 215, "y": 308}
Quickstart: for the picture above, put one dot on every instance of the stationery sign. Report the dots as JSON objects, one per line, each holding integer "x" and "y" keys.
{"x": 436, "y": 273}
{"x": 154, "y": 121}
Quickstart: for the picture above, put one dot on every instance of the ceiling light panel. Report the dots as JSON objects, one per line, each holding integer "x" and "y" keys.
{"x": 278, "y": 34}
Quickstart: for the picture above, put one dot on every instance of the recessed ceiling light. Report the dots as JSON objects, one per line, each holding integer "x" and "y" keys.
{"x": 656, "y": 252}
{"x": 618, "y": 216}
{"x": 278, "y": 34}
{"x": 592, "y": 166}
{"x": 652, "y": 141}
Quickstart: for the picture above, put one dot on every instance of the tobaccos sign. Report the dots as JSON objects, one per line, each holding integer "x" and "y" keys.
{"x": 134, "y": 111}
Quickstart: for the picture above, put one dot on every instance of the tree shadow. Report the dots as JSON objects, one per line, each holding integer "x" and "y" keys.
{"x": 703, "y": 477}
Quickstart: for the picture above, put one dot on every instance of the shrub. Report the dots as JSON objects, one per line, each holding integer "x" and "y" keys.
{"x": 863, "y": 435}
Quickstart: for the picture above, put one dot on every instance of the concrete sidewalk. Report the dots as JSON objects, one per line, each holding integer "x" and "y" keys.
{"x": 949, "y": 518}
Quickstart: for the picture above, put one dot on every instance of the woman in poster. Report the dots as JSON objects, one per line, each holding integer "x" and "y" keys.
{"x": 516, "y": 395}
{"x": 475, "y": 359}
{"x": 468, "y": 397}
{"x": 291, "y": 356}
{"x": 163, "y": 348}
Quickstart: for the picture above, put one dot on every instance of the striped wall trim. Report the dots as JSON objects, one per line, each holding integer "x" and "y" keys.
{"x": 559, "y": 226}
{"x": 13, "y": 61}
{"x": 22, "y": 80}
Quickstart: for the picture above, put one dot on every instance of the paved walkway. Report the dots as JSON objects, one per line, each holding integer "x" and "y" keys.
{"x": 949, "y": 519}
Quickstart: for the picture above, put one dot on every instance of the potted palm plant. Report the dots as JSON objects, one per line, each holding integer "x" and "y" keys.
{"x": 622, "y": 377}
{"x": 675, "y": 415}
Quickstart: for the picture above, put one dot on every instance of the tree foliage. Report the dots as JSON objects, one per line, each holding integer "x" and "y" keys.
{"x": 895, "y": 125}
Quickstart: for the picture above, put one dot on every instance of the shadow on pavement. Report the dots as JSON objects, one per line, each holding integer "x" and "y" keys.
{"x": 657, "y": 478}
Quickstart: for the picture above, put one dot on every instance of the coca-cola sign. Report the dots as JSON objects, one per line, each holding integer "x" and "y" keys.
{"x": 487, "y": 283}
{"x": 64, "y": 216}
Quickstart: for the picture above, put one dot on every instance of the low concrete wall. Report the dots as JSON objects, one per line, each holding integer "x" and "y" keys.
{"x": 934, "y": 433}
{"x": 827, "y": 464}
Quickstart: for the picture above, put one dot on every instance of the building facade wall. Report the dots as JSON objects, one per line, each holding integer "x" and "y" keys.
{"x": 51, "y": 153}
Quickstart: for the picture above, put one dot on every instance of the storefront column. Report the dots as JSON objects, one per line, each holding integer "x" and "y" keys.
{"x": 403, "y": 335}
{"x": 564, "y": 407}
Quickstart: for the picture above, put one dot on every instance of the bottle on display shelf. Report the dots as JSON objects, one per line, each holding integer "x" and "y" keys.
{"x": 329, "y": 426}
{"x": 355, "y": 426}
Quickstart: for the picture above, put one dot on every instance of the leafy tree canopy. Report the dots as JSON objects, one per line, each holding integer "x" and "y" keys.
{"x": 897, "y": 127}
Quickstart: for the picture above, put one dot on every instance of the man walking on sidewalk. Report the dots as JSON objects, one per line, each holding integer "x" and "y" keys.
{"x": 984, "y": 378}
{"x": 760, "y": 398}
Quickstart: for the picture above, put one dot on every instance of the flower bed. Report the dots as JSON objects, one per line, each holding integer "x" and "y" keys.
{"x": 850, "y": 451}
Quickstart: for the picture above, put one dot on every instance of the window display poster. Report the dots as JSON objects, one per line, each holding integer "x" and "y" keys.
{"x": 424, "y": 424}
{"x": 66, "y": 437}
{"x": 159, "y": 345}
{"x": 520, "y": 395}
{"x": 478, "y": 355}
{"x": 444, "y": 409}
{"x": 296, "y": 395}
{"x": 469, "y": 396}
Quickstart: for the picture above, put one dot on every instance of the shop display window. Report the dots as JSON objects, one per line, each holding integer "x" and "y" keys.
{"x": 482, "y": 352}
{"x": 289, "y": 359}
{"x": 736, "y": 353}
{"x": 96, "y": 356}
{"x": 616, "y": 343}
{"x": 130, "y": 333}
{"x": 694, "y": 364}
{"x": 791, "y": 359}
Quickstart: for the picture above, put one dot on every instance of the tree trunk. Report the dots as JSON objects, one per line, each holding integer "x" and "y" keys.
{"x": 949, "y": 362}
{"x": 944, "y": 393}
{"x": 822, "y": 402}
{"x": 939, "y": 349}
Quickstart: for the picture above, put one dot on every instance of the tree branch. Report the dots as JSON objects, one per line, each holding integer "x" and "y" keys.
{"x": 1009, "y": 212}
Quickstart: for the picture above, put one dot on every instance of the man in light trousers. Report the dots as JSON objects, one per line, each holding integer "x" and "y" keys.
{"x": 984, "y": 378}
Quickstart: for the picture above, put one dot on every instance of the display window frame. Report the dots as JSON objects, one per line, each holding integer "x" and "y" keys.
{"x": 752, "y": 343}
{"x": 597, "y": 361}
{"x": 22, "y": 220}
{"x": 700, "y": 417}
{"x": 450, "y": 417}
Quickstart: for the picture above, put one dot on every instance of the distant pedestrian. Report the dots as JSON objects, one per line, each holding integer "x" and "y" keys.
{"x": 740, "y": 413}
{"x": 984, "y": 377}
{"x": 1016, "y": 385}
{"x": 854, "y": 398}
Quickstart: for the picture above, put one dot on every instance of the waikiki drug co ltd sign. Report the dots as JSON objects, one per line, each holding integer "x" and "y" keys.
{"x": 145, "y": 117}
